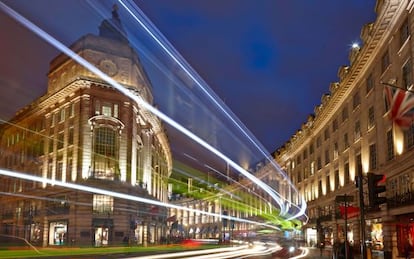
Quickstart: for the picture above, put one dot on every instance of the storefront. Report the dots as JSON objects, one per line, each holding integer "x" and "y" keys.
{"x": 311, "y": 237}
{"x": 57, "y": 232}
{"x": 405, "y": 233}
{"x": 102, "y": 231}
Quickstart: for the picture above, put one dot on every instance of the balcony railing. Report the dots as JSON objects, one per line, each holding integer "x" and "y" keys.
{"x": 400, "y": 200}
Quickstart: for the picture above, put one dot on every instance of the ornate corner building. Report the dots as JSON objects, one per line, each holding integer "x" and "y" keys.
{"x": 364, "y": 125}
{"x": 83, "y": 131}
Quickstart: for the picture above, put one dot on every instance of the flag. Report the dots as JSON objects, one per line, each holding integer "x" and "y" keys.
{"x": 400, "y": 105}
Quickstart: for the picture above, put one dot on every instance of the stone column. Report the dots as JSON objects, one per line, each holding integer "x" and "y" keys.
{"x": 387, "y": 231}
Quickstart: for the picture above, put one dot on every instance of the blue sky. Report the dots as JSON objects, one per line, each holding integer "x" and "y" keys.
{"x": 270, "y": 61}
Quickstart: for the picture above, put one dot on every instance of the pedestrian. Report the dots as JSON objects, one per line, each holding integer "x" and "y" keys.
{"x": 321, "y": 246}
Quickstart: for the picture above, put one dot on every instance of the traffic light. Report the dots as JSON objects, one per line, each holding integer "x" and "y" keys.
{"x": 374, "y": 189}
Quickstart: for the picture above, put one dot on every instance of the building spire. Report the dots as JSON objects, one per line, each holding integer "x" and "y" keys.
{"x": 115, "y": 14}
{"x": 112, "y": 28}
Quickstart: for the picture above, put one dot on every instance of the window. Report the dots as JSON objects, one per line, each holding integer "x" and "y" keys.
{"x": 337, "y": 185}
{"x": 336, "y": 150}
{"x": 404, "y": 32}
{"x": 62, "y": 115}
{"x": 346, "y": 141}
{"x": 105, "y": 160}
{"x": 59, "y": 168}
{"x": 326, "y": 133}
{"x": 69, "y": 166}
{"x": 409, "y": 136}
{"x": 318, "y": 142}
{"x": 356, "y": 100}
{"x": 60, "y": 140}
{"x": 346, "y": 173}
{"x": 357, "y": 130}
{"x": 72, "y": 110}
{"x": 311, "y": 149}
{"x": 372, "y": 157}
{"x": 305, "y": 173}
{"x": 369, "y": 83}
{"x": 407, "y": 76}
{"x": 312, "y": 167}
{"x": 319, "y": 163}
{"x": 116, "y": 110}
{"x": 50, "y": 145}
{"x": 390, "y": 145}
{"x": 305, "y": 154}
{"x": 103, "y": 204}
{"x": 371, "y": 117}
{"x": 335, "y": 125}
{"x": 344, "y": 114}
{"x": 320, "y": 188}
{"x": 327, "y": 158}
{"x": 105, "y": 142}
{"x": 328, "y": 184}
{"x": 385, "y": 62}
{"x": 71, "y": 136}
{"x": 53, "y": 120}
{"x": 107, "y": 110}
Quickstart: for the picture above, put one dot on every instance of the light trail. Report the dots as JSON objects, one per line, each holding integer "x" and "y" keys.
{"x": 121, "y": 195}
{"x": 139, "y": 100}
{"x": 180, "y": 61}
{"x": 304, "y": 253}
{"x": 188, "y": 253}
{"x": 243, "y": 251}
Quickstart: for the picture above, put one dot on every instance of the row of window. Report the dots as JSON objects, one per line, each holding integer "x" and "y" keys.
{"x": 62, "y": 114}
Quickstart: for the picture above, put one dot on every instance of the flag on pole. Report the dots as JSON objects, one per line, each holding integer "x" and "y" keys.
{"x": 400, "y": 105}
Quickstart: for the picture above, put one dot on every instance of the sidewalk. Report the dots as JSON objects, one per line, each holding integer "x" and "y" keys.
{"x": 315, "y": 253}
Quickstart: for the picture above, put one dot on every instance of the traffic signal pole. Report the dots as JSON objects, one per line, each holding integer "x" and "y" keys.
{"x": 362, "y": 214}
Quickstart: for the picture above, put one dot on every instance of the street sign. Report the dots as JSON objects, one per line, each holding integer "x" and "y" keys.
{"x": 344, "y": 198}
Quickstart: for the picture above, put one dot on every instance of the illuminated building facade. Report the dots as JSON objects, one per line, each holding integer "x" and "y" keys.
{"x": 84, "y": 131}
{"x": 241, "y": 199}
{"x": 356, "y": 130}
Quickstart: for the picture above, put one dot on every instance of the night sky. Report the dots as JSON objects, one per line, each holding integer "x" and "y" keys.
{"x": 270, "y": 61}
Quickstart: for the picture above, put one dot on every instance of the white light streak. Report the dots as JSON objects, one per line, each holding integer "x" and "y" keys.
{"x": 279, "y": 199}
{"x": 120, "y": 195}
